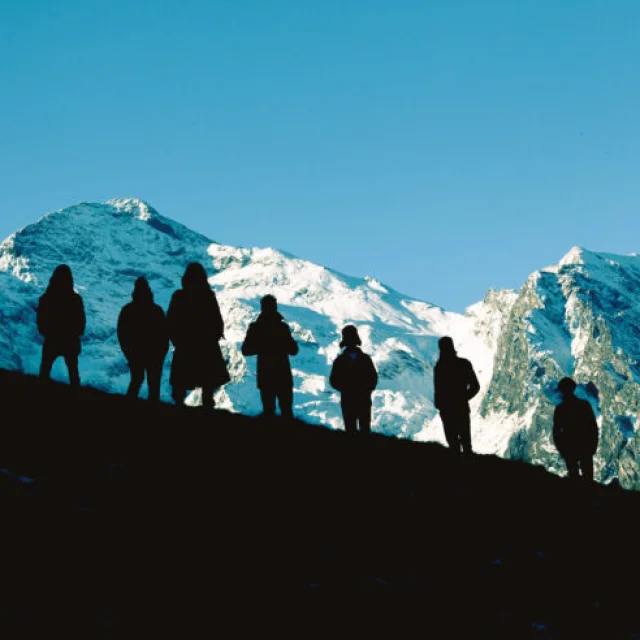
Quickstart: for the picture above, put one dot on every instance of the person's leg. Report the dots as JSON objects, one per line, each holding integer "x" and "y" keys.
{"x": 464, "y": 429}
{"x": 285, "y": 402}
{"x": 572, "y": 466}
{"x": 451, "y": 430}
{"x": 137, "y": 377}
{"x": 268, "y": 397}
{"x": 586, "y": 465}
{"x": 349, "y": 414}
{"x": 154, "y": 377}
{"x": 364, "y": 417}
{"x": 47, "y": 362}
{"x": 208, "y": 402}
{"x": 72, "y": 367}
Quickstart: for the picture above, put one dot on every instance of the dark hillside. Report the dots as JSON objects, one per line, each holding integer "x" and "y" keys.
{"x": 119, "y": 516}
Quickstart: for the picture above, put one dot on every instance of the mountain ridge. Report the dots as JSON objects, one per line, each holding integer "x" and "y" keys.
{"x": 574, "y": 318}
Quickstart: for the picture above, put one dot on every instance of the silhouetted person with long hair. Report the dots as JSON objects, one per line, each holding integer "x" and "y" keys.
{"x": 354, "y": 375}
{"x": 144, "y": 339}
{"x": 269, "y": 337}
{"x": 575, "y": 431}
{"x": 61, "y": 320}
{"x": 455, "y": 383}
{"x": 196, "y": 328}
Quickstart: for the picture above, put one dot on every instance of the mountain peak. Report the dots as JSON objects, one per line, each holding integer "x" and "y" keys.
{"x": 138, "y": 208}
{"x": 575, "y": 255}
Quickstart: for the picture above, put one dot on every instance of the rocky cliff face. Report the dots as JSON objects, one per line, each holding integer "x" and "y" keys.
{"x": 580, "y": 319}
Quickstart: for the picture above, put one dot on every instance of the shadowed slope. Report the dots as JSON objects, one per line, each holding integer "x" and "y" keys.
{"x": 119, "y": 514}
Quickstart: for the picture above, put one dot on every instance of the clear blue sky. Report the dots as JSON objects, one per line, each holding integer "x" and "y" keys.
{"x": 444, "y": 147}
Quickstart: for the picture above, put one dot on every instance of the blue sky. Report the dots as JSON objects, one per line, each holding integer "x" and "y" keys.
{"x": 443, "y": 147}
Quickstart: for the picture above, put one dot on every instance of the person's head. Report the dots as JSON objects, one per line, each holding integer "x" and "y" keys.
{"x": 269, "y": 304}
{"x": 566, "y": 387}
{"x": 195, "y": 277}
{"x": 61, "y": 280}
{"x": 142, "y": 290}
{"x": 350, "y": 337}
{"x": 447, "y": 350}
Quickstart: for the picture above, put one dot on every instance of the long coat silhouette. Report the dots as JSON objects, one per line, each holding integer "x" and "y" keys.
{"x": 575, "y": 431}
{"x": 455, "y": 383}
{"x": 195, "y": 329}
{"x": 269, "y": 337}
{"x": 144, "y": 339}
{"x": 61, "y": 321}
{"x": 354, "y": 375}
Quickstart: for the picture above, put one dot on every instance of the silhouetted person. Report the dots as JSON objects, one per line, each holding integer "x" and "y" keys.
{"x": 455, "y": 383}
{"x": 354, "y": 375}
{"x": 195, "y": 329}
{"x": 144, "y": 339}
{"x": 575, "y": 431}
{"x": 269, "y": 338}
{"x": 61, "y": 320}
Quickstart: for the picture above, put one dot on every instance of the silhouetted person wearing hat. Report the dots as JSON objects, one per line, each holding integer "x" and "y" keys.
{"x": 195, "y": 329}
{"x": 144, "y": 339}
{"x": 354, "y": 375}
{"x": 455, "y": 383}
{"x": 269, "y": 337}
{"x": 61, "y": 320}
{"x": 575, "y": 431}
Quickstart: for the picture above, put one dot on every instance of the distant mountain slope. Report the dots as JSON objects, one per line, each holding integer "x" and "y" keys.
{"x": 577, "y": 318}
{"x": 108, "y": 245}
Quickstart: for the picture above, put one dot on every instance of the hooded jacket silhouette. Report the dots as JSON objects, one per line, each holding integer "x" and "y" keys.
{"x": 354, "y": 375}
{"x": 269, "y": 337}
{"x": 61, "y": 320}
{"x": 195, "y": 329}
{"x": 455, "y": 383}
{"x": 143, "y": 335}
{"x": 575, "y": 431}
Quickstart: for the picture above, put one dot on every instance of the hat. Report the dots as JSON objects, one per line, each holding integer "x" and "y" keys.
{"x": 566, "y": 385}
{"x": 269, "y": 303}
{"x": 350, "y": 337}
{"x": 445, "y": 344}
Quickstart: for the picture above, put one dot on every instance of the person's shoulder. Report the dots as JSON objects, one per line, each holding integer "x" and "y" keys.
{"x": 585, "y": 404}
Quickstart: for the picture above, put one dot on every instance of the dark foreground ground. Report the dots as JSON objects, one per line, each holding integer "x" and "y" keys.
{"x": 121, "y": 518}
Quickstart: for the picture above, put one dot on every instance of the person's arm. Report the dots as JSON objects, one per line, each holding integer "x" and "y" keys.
{"x": 436, "y": 387}
{"x": 173, "y": 320}
{"x": 373, "y": 374}
{"x": 122, "y": 333}
{"x": 592, "y": 425}
{"x": 335, "y": 379}
{"x": 42, "y": 316}
{"x": 82, "y": 317}
{"x": 218, "y": 322}
{"x": 292, "y": 345}
{"x": 473, "y": 386}
{"x": 250, "y": 344}
{"x": 557, "y": 429}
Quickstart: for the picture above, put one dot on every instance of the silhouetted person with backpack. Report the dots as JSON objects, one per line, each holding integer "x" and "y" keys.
{"x": 269, "y": 337}
{"x": 61, "y": 320}
{"x": 144, "y": 339}
{"x": 575, "y": 431}
{"x": 195, "y": 329}
{"x": 354, "y": 375}
{"x": 455, "y": 383}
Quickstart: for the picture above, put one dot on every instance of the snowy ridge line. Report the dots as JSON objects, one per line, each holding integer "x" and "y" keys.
{"x": 579, "y": 318}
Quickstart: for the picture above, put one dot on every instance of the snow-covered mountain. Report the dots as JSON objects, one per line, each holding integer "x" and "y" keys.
{"x": 578, "y": 318}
